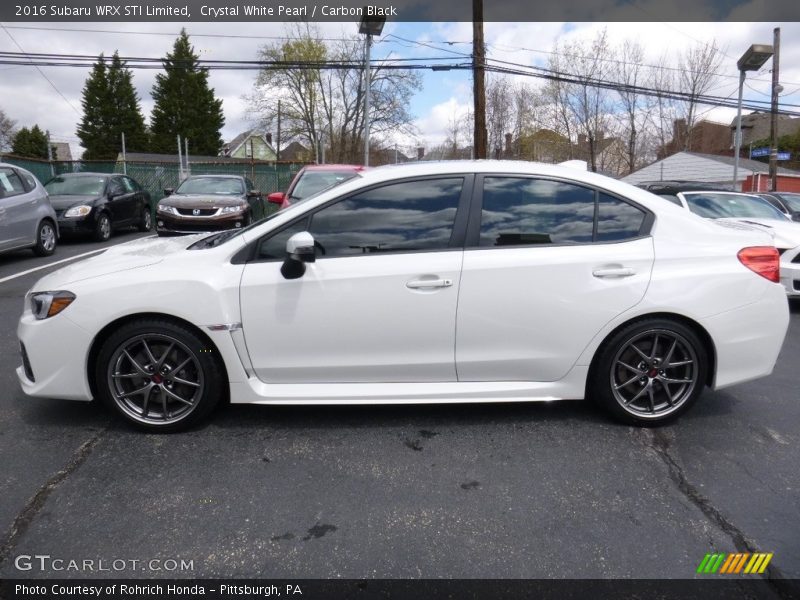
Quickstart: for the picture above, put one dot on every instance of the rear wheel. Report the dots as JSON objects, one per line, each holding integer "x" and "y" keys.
{"x": 102, "y": 229}
{"x": 146, "y": 220}
{"x": 649, "y": 372}
{"x": 46, "y": 239}
{"x": 159, "y": 375}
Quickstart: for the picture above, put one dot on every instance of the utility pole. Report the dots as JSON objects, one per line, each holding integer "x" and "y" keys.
{"x": 278, "y": 135}
{"x": 478, "y": 75}
{"x": 50, "y": 155}
{"x": 776, "y": 89}
{"x": 124, "y": 157}
{"x": 366, "y": 98}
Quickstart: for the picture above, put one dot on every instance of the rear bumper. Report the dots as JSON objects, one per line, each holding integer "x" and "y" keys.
{"x": 749, "y": 338}
{"x": 790, "y": 272}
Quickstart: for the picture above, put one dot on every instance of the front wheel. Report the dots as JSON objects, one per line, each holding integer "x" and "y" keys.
{"x": 649, "y": 372}
{"x": 102, "y": 229}
{"x": 159, "y": 375}
{"x": 46, "y": 239}
{"x": 146, "y": 220}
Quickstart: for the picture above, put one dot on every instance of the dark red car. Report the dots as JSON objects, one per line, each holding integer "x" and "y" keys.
{"x": 313, "y": 179}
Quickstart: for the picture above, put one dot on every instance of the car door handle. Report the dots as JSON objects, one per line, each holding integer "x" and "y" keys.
{"x": 614, "y": 272}
{"x": 429, "y": 283}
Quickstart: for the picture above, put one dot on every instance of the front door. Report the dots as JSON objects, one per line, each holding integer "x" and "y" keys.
{"x": 378, "y": 305}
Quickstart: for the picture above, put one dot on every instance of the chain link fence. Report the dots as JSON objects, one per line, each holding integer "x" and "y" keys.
{"x": 155, "y": 176}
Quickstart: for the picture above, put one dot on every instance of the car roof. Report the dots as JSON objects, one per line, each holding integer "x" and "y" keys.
{"x": 86, "y": 174}
{"x": 225, "y": 175}
{"x": 676, "y": 186}
{"x": 330, "y": 167}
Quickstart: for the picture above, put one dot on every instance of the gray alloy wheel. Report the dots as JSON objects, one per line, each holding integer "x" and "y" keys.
{"x": 159, "y": 374}
{"x": 654, "y": 373}
{"x": 147, "y": 220}
{"x": 649, "y": 371}
{"x": 155, "y": 379}
{"x": 102, "y": 230}
{"x": 45, "y": 239}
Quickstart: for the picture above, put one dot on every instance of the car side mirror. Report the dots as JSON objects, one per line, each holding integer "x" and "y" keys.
{"x": 796, "y": 216}
{"x": 276, "y": 197}
{"x": 168, "y": 191}
{"x": 254, "y": 193}
{"x": 299, "y": 251}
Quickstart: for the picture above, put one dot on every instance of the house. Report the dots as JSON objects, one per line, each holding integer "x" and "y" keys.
{"x": 296, "y": 152}
{"x": 705, "y": 137}
{"x": 61, "y": 151}
{"x": 252, "y": 145}
{"x": 757, "y": 126}
{"x": 706, "y": 168}
{"x": 610, "y": 154}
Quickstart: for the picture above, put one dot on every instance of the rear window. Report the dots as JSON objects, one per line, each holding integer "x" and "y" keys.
{"x": 313, "y": 182}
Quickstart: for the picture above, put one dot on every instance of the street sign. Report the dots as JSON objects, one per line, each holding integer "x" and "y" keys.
{"x": 784, "y": 155}
{"x": 756, "y": 152}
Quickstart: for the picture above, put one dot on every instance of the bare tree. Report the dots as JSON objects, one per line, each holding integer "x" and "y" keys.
{"x": 634, "y": 106}
{"x": 698, "y": 74}
{"x": 323, "y": 98}
{"x": 7, "y": 130}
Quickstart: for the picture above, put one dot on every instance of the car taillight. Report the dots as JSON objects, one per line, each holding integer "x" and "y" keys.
{"x": 763, "y": 260}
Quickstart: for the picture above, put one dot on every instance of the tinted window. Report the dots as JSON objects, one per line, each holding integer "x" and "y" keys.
{"x": 617, "y": 220}
{"x": 535, "y": 211}
{"x": 417, "y": 215}
{"x": 10, "y": 183}
{"x": 130, "y": 184}
{"x": 116, "y": 188}
{"x": 274, "y": 247}
{"x": 716, "y": 206}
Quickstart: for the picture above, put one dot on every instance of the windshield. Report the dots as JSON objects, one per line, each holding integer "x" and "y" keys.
{"x": 791, "y": 200}
{"x": 225, "y": 186}
{"x": 81, "y": 185}
{"x": 313, "y": 182}
{"x": 712, "y": 205}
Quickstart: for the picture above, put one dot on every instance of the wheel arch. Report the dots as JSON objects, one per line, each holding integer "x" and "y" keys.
{"x": 702, "y": 333}
{"x": 109, "y": 328}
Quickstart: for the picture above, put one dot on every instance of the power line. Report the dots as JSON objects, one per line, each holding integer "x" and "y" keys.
{"x": 53, "y": 85}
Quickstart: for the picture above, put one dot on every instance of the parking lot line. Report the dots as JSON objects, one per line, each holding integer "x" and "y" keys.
{"x": 52, "y": 264}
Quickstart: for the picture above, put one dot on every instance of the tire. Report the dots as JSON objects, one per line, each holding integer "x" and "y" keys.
{"x": 629, "y": 379}
{"x": 46, "y": 239}
{"x": 146, "y": 220}
{"x": 159, "y": 375}
{"x": 102, "y": 229}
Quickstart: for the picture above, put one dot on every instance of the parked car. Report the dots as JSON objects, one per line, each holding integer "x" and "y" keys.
{"x": 96, "y": 204}
{"x": 484, "y": 281}
{"x": 735, "y": 209}
{"x": 313, "y": 179}
{"x": 786, "y": 202}
{"x": 27, "y": 219}
{"x": 208, "y": 203}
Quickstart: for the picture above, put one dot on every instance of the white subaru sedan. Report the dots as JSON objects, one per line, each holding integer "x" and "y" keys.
{"x": 427, "y": 283}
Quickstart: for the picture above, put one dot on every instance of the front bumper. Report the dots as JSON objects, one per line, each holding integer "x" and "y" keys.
{"x": 790, "y": 272}
{"x": 57, "y": 351}
{"x": 76, "y": 226}
{"x": 170, "y": 223}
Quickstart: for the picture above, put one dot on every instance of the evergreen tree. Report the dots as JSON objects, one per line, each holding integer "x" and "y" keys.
{"x": 110, "y": 108}
{"x": 31, "y": 143}
{"x": 185, "y": 105}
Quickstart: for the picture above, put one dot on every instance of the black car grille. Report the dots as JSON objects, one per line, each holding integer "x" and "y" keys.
{"x": 197, "y": 212}
{"x": 26, "y": 364}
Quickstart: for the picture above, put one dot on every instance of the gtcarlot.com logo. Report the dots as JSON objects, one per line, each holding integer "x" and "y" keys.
{"x": 46, "y": 562}
{"x": 735, "y": 564}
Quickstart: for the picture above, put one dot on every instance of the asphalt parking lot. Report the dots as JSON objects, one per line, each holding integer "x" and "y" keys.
{"x": 502, "y": 491}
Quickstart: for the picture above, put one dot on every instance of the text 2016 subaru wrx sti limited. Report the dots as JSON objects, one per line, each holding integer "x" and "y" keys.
{"x": 449, "y": 282}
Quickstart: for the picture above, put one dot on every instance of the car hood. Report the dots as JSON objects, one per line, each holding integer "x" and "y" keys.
{"x": 65, "y": 202}
{"x": 785, "y": 234}
{"x": 201, "y": 201}
{"x": 122, "y": 257}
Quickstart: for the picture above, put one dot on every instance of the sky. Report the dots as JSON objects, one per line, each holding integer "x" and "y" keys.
{"x": 29, "y": 98}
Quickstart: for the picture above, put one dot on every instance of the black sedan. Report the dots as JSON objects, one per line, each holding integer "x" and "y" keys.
{"x": 209, "y": 203}
{"x": 97, "y": 203}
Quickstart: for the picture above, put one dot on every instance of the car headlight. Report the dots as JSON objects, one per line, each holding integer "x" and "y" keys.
{"x": 232, "y": 209}
{"x": 78, "y": 211}
{"x": 170, "y": 210}
{"x": 49, "y": 304}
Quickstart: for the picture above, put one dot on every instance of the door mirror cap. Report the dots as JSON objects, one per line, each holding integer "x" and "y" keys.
{"x": 796, "y": 216}
{"x": 254, "y": 193}
{"x": 168, "y": 191}
{"x": 276, "y": 197}
{"x": 301, "y": 247}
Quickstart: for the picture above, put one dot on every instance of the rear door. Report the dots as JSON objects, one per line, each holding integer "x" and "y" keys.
{"x": 548, "y": 264}
{"x": 18, "y": 214}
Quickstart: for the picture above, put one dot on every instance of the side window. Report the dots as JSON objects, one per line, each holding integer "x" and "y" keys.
{"x": 10, "y": 183}
{"x": 617, "y": 220}
{"x": 127, "y": 184}
{"x": 28, "y": 180}
{"x": 274, "y": 247}
{"x": 519, "y": 211}
{"x": 115, "y": 187}
{"x": 415, "y": 215}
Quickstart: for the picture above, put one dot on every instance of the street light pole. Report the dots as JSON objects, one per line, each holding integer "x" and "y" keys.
{"x": 752, "y": 60}
{"x": 773, "y": 145}
{"x": 369, "y": 25}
